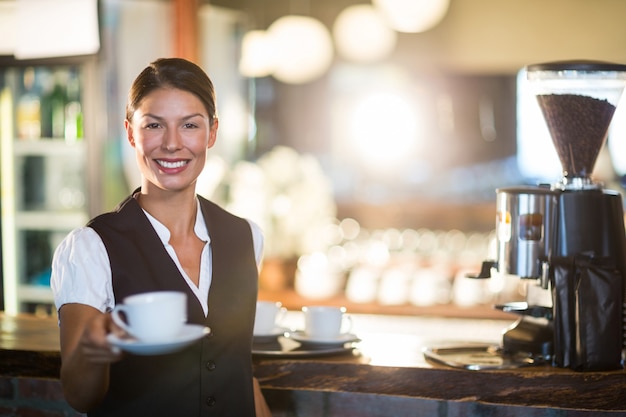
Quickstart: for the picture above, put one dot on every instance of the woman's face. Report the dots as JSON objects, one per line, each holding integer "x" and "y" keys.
{"x": 171, "y": 133}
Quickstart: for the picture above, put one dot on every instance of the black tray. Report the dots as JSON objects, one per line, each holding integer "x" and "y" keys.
{"x": 284, "y": 347}
{"x": 478, "y": 357}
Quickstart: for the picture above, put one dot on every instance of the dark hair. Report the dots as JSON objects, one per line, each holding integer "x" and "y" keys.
{"x": 174, "y": 73}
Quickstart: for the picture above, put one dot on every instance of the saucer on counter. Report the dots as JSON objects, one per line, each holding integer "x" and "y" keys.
{"x": 189, "y": 334}
{"x": 269, "y": 337}
{"x": 300, "y": 336}
{"x": 284, "y": 347}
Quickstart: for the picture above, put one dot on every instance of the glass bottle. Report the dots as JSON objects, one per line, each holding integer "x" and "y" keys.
{"x": 28, "y": 117}
{"x": 58, "y": 100}
{"x": 73, "y": 111}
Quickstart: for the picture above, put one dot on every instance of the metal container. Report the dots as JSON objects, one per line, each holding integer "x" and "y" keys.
{"x": 525, "y": 221}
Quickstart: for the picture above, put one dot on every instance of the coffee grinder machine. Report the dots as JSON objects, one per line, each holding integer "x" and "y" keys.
{"x": 566, "y": 240}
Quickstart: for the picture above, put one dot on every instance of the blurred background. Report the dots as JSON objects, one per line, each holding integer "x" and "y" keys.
{"x": 366, "y": 138}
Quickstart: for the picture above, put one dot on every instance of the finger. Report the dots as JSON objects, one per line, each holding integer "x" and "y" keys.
{"x": 112, "y": 327}
{"x": 106, "y": 354}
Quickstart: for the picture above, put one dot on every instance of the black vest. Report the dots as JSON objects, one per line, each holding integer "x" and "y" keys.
{"x": 212, "y": 377}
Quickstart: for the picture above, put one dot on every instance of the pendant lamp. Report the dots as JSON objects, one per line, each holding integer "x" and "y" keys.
{"x": 303, "y": 49}
{"x": 362, "y": 35}
{"x": 412, "y": 16}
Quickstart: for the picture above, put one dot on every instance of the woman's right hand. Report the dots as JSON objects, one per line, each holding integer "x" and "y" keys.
{"x": 93, "y": 341}
{"x": 86, "y": 354}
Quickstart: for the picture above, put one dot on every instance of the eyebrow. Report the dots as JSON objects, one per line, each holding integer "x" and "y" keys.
{"x": 191, "y": 116}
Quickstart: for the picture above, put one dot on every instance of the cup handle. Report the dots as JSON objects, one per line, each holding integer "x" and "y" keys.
{"x": 118, "y": 320}
{"x": 347, "y": 319}
{"x": 281, "y": 316}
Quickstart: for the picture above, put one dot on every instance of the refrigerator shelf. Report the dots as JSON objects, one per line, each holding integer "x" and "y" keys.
{"x": 35, "y": 294}
{"x": 50, "y": 220}
{"x": 49, "y": 147}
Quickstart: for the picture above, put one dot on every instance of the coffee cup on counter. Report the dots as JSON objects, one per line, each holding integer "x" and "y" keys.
{"x": 152, "y": 317}
{"x": 326, "y": 322}
{"x": 268, "y": 317}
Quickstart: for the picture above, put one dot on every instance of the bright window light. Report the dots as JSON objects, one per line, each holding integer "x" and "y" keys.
{"x": 617, "y": 138}
{"x": 536, "y": 157}
{"x": 384, "y": 129}
{"x": 47, "y": 29}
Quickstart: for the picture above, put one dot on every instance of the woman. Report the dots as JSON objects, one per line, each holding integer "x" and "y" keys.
{"x": 162, "y": 237}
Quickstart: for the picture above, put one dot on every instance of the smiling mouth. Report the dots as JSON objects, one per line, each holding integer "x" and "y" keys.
{"x": 171, "y": 164}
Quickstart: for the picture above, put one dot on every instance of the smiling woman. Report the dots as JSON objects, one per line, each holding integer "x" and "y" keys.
{"x": 163, "y": 237}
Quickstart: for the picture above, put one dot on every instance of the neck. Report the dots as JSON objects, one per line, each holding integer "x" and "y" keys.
{"x": 175, "y": 210}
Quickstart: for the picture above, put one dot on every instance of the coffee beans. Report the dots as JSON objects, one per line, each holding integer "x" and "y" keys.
{"x": 578, "y": 125}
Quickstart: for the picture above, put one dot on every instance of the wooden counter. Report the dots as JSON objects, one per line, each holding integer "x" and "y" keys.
{"x": 388, "y": 375}
{"x": 385, "y": 375}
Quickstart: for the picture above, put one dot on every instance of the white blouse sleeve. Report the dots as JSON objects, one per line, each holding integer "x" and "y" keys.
{"x": 81, "y": 272}
{"x": 258, "y": 242}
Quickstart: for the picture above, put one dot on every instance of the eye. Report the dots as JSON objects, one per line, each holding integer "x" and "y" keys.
{"x": 153, "y": 125}
{"x": 190, "y": 125}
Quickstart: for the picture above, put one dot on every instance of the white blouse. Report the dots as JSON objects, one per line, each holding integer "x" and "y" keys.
{"x": 81, "y": 272}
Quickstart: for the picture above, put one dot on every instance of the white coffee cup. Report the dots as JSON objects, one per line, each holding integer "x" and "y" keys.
{"x": 268, "y": 314}
{"x": 152, "y": 317}
{"x": 325, "y": 322}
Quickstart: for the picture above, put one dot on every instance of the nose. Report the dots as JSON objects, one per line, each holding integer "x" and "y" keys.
{"x": 172, "y": 140}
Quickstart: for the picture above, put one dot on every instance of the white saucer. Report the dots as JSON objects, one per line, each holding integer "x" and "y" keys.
{"x": 278, "y": 331}
{"x": 301, "y": 337}
{"x": 189, "y": 334}
{"x": 269, "y": 337}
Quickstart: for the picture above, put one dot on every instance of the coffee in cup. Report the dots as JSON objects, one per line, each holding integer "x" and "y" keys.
{"x": 325, "y": 322}
{"x": 152, "y": 317}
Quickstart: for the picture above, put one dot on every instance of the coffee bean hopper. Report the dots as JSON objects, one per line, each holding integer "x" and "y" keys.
{"x": 565, "y": 240}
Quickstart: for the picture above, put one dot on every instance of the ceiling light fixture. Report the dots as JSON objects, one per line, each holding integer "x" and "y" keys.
{"x": 362, "y": 35}
{"x": 303, "y": 49}
{"x": 257, "y": 54}
{"x": 412, "y": 16}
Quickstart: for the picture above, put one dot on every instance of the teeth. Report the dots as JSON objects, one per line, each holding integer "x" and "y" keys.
{"x": 166, "y": 164}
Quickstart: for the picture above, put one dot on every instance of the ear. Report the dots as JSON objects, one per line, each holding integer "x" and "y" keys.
{"x": 129, "y": 133}
{"x": 213, "y": 133}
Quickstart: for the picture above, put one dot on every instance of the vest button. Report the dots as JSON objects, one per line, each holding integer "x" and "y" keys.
{"x": 210, "y": 365}
{"x": 210, "y": 401}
